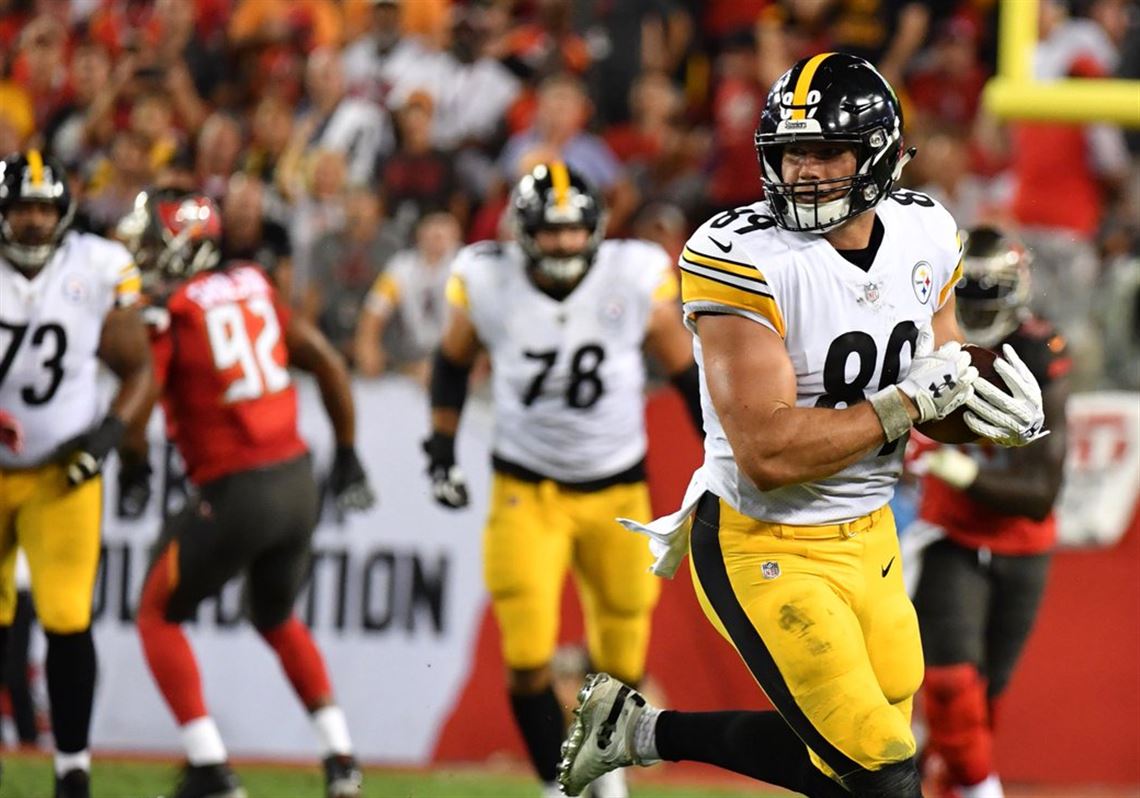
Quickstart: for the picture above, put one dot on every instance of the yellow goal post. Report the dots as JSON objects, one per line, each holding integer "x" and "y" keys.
{"x": 1014, "y": 93}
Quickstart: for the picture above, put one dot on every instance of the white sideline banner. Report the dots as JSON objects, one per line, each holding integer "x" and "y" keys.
{"x": 1102, "y": 470}
{"x": 395, "y": 601}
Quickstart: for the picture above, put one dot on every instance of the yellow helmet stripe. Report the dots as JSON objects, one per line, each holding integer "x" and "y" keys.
{"x": 36, "y": 167}
{"x": 803, "y": 84}
{"x": 560, "y": 178}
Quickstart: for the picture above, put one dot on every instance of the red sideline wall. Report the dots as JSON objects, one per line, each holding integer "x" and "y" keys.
{"x": 1064, "y": 720}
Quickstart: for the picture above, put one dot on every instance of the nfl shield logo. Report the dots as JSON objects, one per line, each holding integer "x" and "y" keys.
{"x": 770, "y": 569}
{"x": 871, "y": 292}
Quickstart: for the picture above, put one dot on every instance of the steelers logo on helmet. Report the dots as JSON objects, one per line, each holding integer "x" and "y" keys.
{"x": 36, "y": 209}
{"x": 993, "y": 295}
{"x": 842, "y": 100}
{"x": 553, "y": 197}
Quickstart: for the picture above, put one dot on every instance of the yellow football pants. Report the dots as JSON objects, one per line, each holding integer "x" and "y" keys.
{"x": 534, "y": 532}
{"x": 57, "y": 526}
{"x": 821, "y": 618}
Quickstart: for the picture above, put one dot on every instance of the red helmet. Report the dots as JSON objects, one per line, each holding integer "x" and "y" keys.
{"x": 174, "y": 233}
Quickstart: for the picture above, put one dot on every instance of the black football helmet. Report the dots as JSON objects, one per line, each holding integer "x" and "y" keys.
{"x": 172, "y": 234}
{"x": 993, "y": 295}
{"x": 838, "y": 98}
{"x": 554, "y": 195}
{"x": 29, "y": 177}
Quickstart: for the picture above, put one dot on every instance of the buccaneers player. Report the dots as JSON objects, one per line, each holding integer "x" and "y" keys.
{"x": 982, "y": 582}
{"x": 222, "y": 352}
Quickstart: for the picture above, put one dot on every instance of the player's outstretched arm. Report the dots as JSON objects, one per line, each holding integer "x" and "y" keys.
{"x": 451, "y": 369}
{"x": 124, "y": 347}
{"x": 753, "y": 387}
{"x": 671, "y": 345}
{"x": 310, "y": 351}
{"x": 752, "y": 384}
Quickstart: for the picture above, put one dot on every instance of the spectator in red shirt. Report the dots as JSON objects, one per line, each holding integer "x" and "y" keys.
{"x": 1063, "y": 176}
{"x": 418, "y": 179}
{"x": 737, "y": 103}
{"x": 947, "y": 87}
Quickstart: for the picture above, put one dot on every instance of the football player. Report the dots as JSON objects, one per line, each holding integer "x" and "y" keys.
{"x": 982, "y": 582}
{"x": 824, "y": 326}
{"x": 222, "y": 355}
{"x": 564, "y": 317}
{"x": 67, "y": 303}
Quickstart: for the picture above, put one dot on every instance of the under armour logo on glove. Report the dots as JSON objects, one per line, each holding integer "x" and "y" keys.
{"x": 948, "y": 384}
{"x": 947, "y": 376}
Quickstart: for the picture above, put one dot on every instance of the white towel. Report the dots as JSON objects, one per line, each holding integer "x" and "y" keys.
{"x": 669, "y": 535}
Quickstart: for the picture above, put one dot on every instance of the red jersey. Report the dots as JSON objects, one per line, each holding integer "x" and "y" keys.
{"x": 972, "y": 523}
{"x": 222, "y": 365}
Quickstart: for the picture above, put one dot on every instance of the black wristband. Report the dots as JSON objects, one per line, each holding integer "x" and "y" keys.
{"x": 107, "y": 435}
{"x": 440, "y": 449}
{"x": 448, "y": 382}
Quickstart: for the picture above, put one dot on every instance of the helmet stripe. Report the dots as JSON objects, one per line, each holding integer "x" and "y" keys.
{"x": 35, "y": 167}
{"x": 560, "y": 178}
{"x": 803, "y": 85}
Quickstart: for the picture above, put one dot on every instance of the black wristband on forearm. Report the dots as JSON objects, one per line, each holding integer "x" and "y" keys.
{"x": 448, "y": 382}
{"x": 688, "y": 384}
{"x": 107, "y": 435}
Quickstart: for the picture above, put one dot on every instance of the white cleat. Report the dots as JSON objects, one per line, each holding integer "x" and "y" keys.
{"x": 601, "y": 737}
{"x": 609, "y": 785}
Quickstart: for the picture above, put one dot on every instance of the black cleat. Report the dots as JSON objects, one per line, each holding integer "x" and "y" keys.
{"x": 75, "y": 783}
{"x": 209, "y": 781}
{"x": 343, "y": 778}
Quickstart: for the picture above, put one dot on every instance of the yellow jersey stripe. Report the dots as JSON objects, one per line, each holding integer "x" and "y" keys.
{"x": 387, "y": 288}
{"x": 456, "y": 292}
{"x": 35, "y": 167}
{"x": 668, "y": 289}
{"x": 944, "y": 294}
{"x": 560, "y": 177}
{"x": 700, "y": 288}
{"x": 803, "y": 84}
{"x": 720, "y": 264}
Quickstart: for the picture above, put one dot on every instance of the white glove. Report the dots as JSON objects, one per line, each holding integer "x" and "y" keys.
{"x": 1008, "y": 420}
{"x": 938, "y": 382}
{"x": 953, "y": 466}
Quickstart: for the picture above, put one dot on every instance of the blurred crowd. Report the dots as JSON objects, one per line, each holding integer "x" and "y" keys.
{"x": 354, "y": 145}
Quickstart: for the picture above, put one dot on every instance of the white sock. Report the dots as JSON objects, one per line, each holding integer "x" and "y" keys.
{"x": 610, "y": 785}
{"x": 332, "y": 730}
{"x": 80, "y": 760}
{"x": 203, "y": 742}
{"x": 990, "y": 787}
{"x": 645, "y": 738}
{"x": 551, "y": 789}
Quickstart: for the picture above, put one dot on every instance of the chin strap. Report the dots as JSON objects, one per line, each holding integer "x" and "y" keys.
{"x": 903, "y": 161}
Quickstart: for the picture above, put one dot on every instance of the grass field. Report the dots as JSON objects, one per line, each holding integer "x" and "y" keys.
{"x": 30, "y": 777}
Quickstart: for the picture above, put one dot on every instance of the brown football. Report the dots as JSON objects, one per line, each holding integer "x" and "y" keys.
{"x": 953, "y": 429}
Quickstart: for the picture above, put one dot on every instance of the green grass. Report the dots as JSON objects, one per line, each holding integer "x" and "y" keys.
{"x": 28, "y": 777}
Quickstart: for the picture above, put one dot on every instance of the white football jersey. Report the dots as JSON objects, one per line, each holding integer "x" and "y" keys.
{"x": 50, "y": 327}
{"x": 849, "y": 333}
{"x": 568, "y": 377}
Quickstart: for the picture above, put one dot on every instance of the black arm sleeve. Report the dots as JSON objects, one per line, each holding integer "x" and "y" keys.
{"x": 688, "y": 384}
{"x": 448, "y": 382}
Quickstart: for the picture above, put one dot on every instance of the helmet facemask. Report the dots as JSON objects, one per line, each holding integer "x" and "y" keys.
{"x": 17, "y": 187}
{"x": 819, "y": 206}
{"x": 536, "y": 207}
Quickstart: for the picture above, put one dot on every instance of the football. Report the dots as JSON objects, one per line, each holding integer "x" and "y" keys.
{"x": 953, "y": 429}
